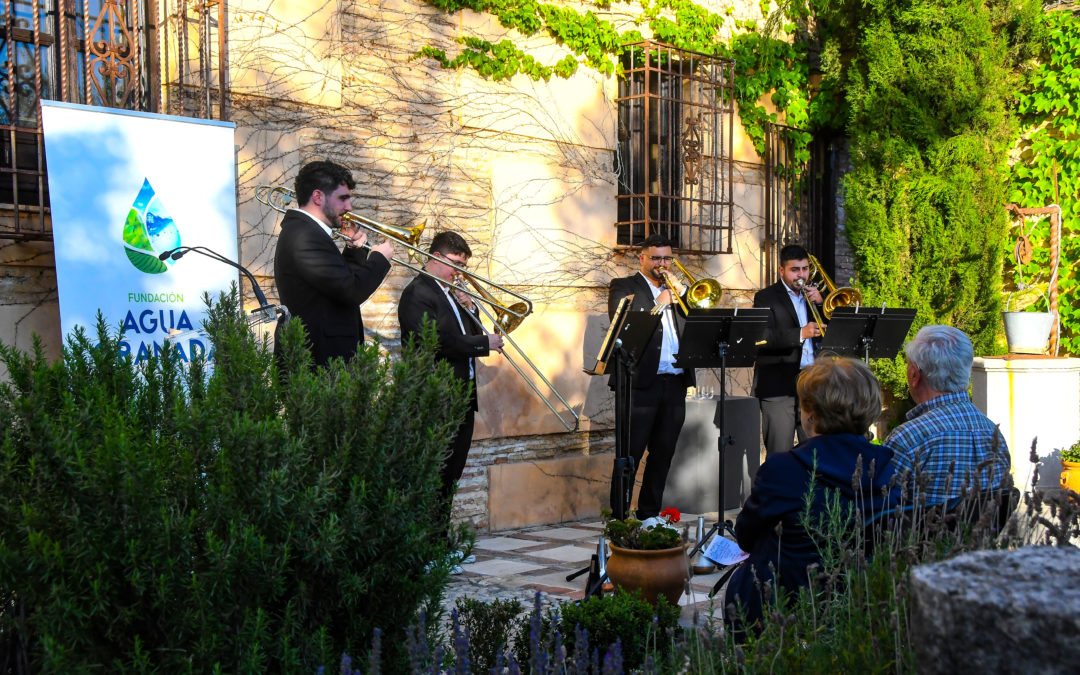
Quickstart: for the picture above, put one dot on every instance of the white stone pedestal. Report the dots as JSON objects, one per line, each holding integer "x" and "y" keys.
{"x": 1031, "y": 396}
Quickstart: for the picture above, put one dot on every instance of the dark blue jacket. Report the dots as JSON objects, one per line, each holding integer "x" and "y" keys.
{"x": 779, "y": 497}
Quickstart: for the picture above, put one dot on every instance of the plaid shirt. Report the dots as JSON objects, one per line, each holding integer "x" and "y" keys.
{"x": 944, "y": 442}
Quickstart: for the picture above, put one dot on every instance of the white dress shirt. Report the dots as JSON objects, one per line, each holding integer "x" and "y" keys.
{"x": 324, "y": 226}
{"x": 670, "y": 345}
{"x": 460, "y": 323}
{"x": 799, "y": 302}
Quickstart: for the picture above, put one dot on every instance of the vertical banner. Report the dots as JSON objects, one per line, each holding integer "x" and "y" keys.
{"x": 124, "y": 188}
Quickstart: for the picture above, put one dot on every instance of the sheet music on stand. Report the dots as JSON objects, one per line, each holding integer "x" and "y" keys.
{"x": 739, "y": 330}
{"x": 607, "y": 346}
{"x": 867, "y": 332}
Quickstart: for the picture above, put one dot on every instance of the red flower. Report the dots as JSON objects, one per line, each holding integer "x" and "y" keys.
{"x": 671, "y": 514}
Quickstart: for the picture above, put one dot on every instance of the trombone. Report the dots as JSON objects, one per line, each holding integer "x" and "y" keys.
{"x": 503, "y": 324}
{"x": 844, "y": 296}
{"x": 277, "y": 197}
{"x": 505, "y": 318}
{"x": 701, "y": 294}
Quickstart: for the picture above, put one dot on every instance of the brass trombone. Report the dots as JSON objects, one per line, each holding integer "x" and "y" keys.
{"x": 505, "y": 318}
{"x": 844, "y": 296}
{"x": 503, "y": 324}
{"x": 701, "y": 294}
{"x": 277, "y": 197}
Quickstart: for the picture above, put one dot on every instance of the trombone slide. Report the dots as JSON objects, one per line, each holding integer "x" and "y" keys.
{"x": 509, "y": 341}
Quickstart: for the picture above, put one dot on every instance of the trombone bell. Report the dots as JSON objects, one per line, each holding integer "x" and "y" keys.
{"x": 703, "y": 293}
{"x": 844, "y": 296}
{"x": 511, "y": 317}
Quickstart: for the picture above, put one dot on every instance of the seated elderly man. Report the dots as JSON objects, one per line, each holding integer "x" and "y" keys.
{"x": 947, "y": 447}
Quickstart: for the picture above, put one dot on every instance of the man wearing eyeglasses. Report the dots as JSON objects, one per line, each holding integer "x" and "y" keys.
{"x": 659, "y": 387}
{"x": 461, "y": 338}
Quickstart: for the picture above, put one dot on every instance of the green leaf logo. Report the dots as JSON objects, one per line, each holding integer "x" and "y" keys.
{"x": 148, "y": 231}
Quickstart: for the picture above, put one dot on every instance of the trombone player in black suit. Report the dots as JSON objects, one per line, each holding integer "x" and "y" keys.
{"x": 791, "y": 344}
{"x": 659, "y": 387}
{"x": 435, "y": 297}
{"x": 320, "y": 285}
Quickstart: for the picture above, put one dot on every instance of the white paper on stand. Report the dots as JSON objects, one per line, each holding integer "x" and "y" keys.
{"x": 724, "y": 552}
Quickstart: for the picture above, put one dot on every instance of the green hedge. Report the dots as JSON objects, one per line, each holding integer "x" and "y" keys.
{"x": 928, "y": 89}
{"x": 164, "y": 517}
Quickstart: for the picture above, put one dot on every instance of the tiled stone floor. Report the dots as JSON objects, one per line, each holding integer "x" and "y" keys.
{"x": 518, "y": 563}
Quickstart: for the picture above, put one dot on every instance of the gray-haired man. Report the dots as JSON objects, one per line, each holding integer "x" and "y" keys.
{"x": 947, "y": 446}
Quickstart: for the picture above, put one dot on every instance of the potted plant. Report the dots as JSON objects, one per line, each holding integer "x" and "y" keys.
{"x": 649, "y": 555}
{"x": 1070, "y": 467}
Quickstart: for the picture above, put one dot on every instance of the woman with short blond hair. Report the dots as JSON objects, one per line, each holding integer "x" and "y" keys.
{"x": 839, "y": 398}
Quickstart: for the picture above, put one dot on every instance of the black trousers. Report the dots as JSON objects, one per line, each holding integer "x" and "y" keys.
{"x": 656, "y": 419}
{"x": 454, "y": 464}
{"x": 780, "y": 422}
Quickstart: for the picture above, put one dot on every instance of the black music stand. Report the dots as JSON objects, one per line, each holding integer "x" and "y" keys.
{"x": 721, "y": 338}
{"x": 633, "y": 338}
{"x": 607, "y": 346}
{"x": 867, "y": 332}
{"x": 626, "y": 341}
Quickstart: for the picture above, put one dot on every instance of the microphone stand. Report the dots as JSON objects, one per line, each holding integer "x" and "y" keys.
{"x": 265, "y": 312}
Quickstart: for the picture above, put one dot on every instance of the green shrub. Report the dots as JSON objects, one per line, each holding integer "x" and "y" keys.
{"x": 589, "y": 629}
{"x": 491, "y": 627}
{"x": 928, "y": 88}
{"x": 157, "y": 517}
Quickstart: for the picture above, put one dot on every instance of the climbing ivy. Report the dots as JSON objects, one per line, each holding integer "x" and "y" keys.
{"x": 769, "y": 62}
{"x": 1047, "y": 169}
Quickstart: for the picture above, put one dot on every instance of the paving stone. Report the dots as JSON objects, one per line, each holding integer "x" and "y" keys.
{"x": 574, "y": 554}
{"x": 501, "y": 567}
{"x": 502, "y": 543}
{"x": 569, "y": 533}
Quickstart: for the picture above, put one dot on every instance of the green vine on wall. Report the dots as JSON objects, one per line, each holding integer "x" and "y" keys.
{"x": 765, "y": 65}
{"x": 1048, "y": 168}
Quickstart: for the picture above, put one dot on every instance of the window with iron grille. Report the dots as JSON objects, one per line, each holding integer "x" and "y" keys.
{"x": 673, "y": 151}
{"x": 800, "y": 196}
{"x": 97, "y": 52}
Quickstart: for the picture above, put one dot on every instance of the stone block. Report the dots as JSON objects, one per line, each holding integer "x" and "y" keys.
{"x": 998, "y": 612}
{"x": 551, "y": 491}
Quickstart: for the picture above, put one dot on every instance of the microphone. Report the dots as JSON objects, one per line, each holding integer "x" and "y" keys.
{"x": 174, "y": 253}
{"x": 268, "y": 310}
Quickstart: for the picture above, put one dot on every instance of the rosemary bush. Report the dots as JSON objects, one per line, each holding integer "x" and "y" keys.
{"x": 169, "y": 517}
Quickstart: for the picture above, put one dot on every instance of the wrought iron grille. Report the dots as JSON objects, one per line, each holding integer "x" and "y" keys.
{"x": 800, "y": 195}
{"x": 98, "y": 52}
{"x": 673, "y": 151}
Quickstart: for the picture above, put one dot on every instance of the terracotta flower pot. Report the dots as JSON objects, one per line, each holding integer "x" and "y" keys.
{"x": 662, "y": 572}
{"x": 1070, "y": 476}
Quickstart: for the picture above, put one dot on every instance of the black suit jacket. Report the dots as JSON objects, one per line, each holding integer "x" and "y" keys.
{"x": 324, "y": 287}
{"x": 424, "y": 298}
{"x": 777, "y": 365}
{"x": 645, "y": 373}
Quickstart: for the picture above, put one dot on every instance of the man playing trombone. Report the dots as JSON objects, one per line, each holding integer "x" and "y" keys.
{"x": 791, "y": 343}
{"x": 318, "y": 284}
{"x": 434, "y": 295}
{"x": 659, "y": 387}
